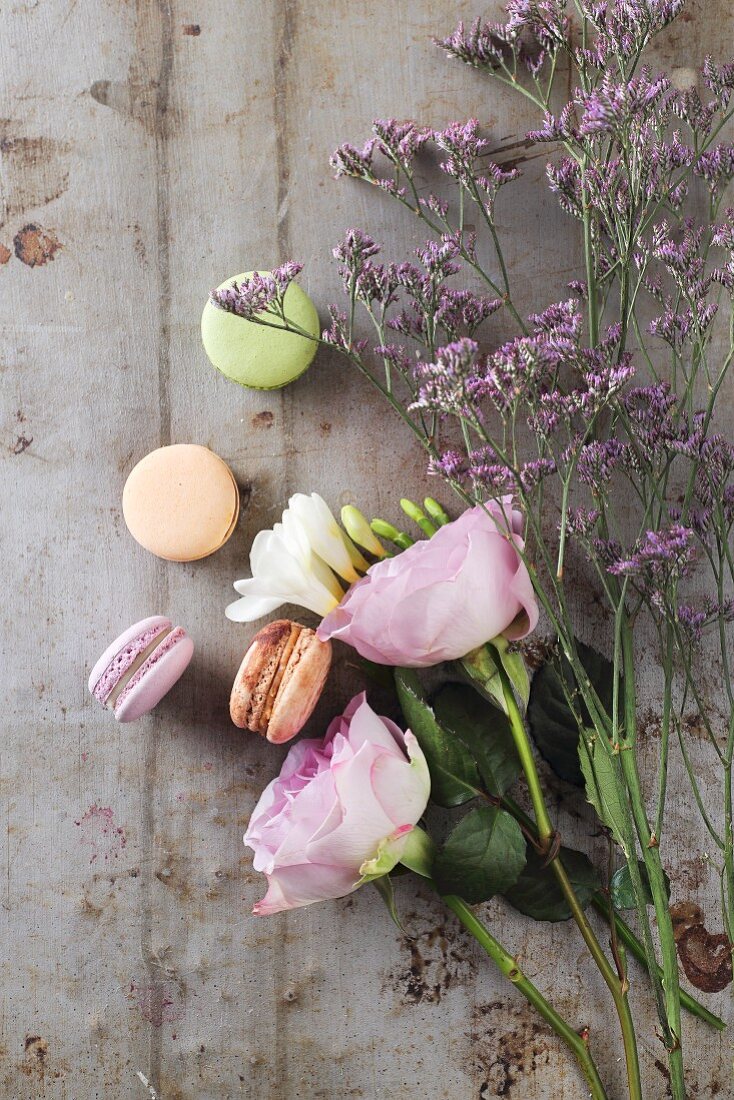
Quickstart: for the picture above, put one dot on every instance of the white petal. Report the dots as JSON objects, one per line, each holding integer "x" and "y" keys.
{"x": 251, "y": 608}
{"x": 324, "y": 533}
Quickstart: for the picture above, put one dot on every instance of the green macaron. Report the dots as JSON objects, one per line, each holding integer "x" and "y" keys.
{"x": 257, "y": 356}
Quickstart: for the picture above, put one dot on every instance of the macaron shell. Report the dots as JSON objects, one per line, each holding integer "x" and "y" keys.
{"x": 181, "y": 502}
{"x": 300, "y": 689}
{"x": 156, "y": 677}
{"x": 118, "y": 656}
{"x": 255, "y": 356}
{"x": 256, "y": 673}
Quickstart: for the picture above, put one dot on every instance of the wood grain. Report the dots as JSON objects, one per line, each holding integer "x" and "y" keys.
{"x": 143, "y": 161}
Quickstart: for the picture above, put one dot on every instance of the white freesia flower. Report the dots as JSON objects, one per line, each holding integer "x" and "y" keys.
{"x": 297, "y": 562}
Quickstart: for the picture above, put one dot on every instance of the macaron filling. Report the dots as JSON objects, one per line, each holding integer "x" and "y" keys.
{"x": 159, "y": 651}
{"x": 121, "y": 665}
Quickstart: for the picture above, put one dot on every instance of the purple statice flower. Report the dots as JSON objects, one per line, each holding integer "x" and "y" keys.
{"x": 659, "y": 557}
{"x": 444, "y": 385}
{"x": 691, "y": 621}
{"x": 449, "y": 464}
{"x": 579, "y": 287}
{"x": 626, "y": 26}
{"x": 347, "y": 160}
{"x": 439, "y": 259}
{"x": 337, "y": 333}
{"x": 657, "y": 426}
{"x": 581, "y": 522}
{"x": 715, "y": 165}
{"x": 400, "y": 141}
{"x": 396, "y": 356}
{"x": 694, "y": 620}
{"x": 597, "y": 461}
{"x": 714, "y": 470}
{"x": 676, "y": 327}
{"x": 524, "y": 367}
{"x": 607, "y": 551}
{"x": 686, "y": 104}
{"x": 462, "y": 311}
{"x": 489, "y": 473}
{"x": 464, "y": 146}
{"x": 260, "y": 293}
{"x": 376, "y": 283}
{"x": 727, "y": 507}
{"x": 354, "y": 250}
{"x": 564, "y": 127}
{"x": 483, "y": 45}
{"x": 611, "y": 106}
{"x": 719, "y": 79}
{"x": 546, "y": 20}
{"x": 435, "y": 205}
{"x": 564, "y": 179}
{"x": 723, "y": 237}
{"x": 532, "y": 473}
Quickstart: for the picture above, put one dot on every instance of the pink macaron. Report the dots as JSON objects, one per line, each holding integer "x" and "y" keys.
{"x": 140, "y": 667}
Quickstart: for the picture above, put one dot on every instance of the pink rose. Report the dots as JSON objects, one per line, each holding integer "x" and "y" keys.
{"x": 337, "y": 806}
{"x": 443, "y": 597}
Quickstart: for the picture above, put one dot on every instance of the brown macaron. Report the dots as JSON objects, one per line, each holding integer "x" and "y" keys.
{"x": 280, "y": 680}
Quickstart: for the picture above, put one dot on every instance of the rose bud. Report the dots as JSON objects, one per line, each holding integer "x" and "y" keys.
{"x": 280, "y": 680}
{"x": 342, "y": 811}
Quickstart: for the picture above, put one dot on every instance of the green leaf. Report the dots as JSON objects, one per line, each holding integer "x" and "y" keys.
{"x": 484, "y": 731}
{"x": 454, "y": 775}
{"x": 482, "y": 856}
{"x": 622, "y": 892}
{"x": 384, "y": 888}
{"x": 551, "y": 720}
{"x": 537, "y": 894}
{"x": 604, "y": 785}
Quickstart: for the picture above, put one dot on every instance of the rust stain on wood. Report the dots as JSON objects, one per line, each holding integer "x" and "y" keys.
{"x": 35, "y": 246}
{"x": 706, "y": 956}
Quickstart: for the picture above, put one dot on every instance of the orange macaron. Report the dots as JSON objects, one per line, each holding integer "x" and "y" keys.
{"x": 181, "y": 502}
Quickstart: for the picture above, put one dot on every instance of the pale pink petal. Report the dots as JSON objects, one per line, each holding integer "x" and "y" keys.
{"x": 364, "y": 823}
{"x": 293, "y": 887}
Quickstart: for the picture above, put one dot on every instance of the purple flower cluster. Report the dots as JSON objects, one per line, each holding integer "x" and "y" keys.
{"x": 613, "y": 106}
{"x": 659, "y": 560}
{"x": 693, "y": 621}
{"x": 261, "y": 293}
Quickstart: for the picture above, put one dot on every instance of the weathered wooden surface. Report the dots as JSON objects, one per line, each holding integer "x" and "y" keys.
{"x": 148, "y": 150}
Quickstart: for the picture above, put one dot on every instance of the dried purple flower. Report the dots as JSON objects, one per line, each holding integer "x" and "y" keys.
{"x": 659, "y": 556}
{"x": 259, "y": 294}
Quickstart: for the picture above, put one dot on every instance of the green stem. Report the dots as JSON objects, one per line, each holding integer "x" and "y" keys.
{"x": 509, "y": 967}
{"x": 656, "y": 876}
{"x": 633, "y": 945}
{"x": 546, "y": 836}
{"x": 624, "y": 932}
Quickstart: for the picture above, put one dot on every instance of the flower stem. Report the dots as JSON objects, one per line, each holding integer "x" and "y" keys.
{"x": 624, "y": 932}
{"x": 546, "y": 837}
{"x": 508, "y": 965}
{"x": 649, "y": 846}
{"x": 633, "y": 945}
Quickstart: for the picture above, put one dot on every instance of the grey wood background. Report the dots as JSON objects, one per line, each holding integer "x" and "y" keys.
{"x": 147, "y": 151}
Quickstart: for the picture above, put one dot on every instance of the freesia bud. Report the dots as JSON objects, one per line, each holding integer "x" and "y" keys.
{"x": 359, "y": 530}
{"x": 436, "y": 512}
{"x": 386, "y": 531}
{"x": 413, "y": 512}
